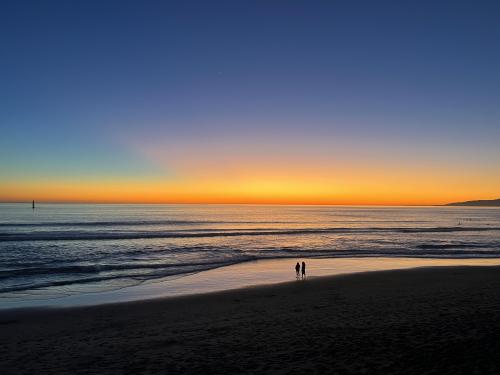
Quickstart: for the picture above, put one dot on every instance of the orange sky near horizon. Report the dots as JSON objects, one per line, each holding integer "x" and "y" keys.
{"x": 279, "y": 189}
{"x": 311, "y": 171}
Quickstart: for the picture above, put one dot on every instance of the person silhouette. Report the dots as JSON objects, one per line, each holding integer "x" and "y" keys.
{"x": 303, "y": 270}
{"x": 297, "y": 270}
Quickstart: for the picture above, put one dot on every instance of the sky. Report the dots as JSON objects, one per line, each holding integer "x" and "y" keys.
{"x": 289, "y": 102}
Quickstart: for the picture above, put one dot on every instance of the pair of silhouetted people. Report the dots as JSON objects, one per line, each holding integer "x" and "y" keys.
{"x": 298, "y": 268}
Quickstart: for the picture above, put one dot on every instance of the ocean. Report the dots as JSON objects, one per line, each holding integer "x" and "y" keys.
{"x": 66, "y": 249}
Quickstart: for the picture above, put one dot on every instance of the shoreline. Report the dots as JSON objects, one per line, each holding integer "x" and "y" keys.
{"x": 7, "y": 313}
{"x": 383, "y": 321}
{"x": 263, "y": 272}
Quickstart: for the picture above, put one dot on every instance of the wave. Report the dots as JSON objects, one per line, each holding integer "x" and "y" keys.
{"x": 133, "y": 223}
{"x": 457, "y": 246}
{"x": 99, "y": 278}
{"x": 82, "y": 235}
{"x": 97, "y": 268}
{"x": 127, "y": 223}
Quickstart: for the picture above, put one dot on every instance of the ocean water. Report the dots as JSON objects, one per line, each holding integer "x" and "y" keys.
{"x": 66, "y": 249}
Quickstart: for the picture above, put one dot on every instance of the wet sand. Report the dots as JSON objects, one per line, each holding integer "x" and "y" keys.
{"x": 443, "y": 320}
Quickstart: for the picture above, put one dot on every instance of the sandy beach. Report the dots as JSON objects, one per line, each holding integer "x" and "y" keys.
{"x": 442, "y": 320}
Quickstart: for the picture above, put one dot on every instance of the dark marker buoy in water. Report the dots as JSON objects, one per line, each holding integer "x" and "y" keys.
{"x": 33, "y": 204}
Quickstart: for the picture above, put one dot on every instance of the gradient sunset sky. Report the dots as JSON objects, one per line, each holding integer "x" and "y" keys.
{"x": 307, "y": 102}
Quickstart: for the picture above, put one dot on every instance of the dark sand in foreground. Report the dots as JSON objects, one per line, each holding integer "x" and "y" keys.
{"x": 443, "y": 320}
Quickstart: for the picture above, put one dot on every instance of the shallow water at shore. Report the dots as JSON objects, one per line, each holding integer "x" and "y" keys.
{"x": 242, "y": 275}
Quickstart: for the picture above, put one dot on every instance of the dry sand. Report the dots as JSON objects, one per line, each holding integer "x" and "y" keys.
{"x": 443, "y": 320}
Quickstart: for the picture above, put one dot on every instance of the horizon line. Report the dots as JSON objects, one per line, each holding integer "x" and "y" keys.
{"x": 230, "y": 203}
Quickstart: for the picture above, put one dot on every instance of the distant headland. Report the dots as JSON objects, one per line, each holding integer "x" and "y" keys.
{"x": 479, "y": 203}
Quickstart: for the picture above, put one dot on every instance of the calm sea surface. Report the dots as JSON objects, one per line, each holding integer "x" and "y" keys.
{"x": 61, "y": 249}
